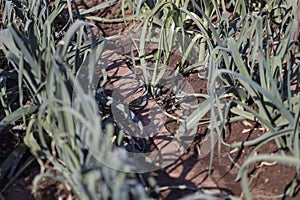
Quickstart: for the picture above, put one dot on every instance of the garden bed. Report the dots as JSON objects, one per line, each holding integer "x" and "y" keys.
{"x": 190, "y": 173}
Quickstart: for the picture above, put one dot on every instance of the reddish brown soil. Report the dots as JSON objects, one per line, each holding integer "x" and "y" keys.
{"x": 193, "y": 171}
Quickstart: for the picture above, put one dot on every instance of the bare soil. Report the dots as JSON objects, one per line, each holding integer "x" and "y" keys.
{"x": 268, "y": 179}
